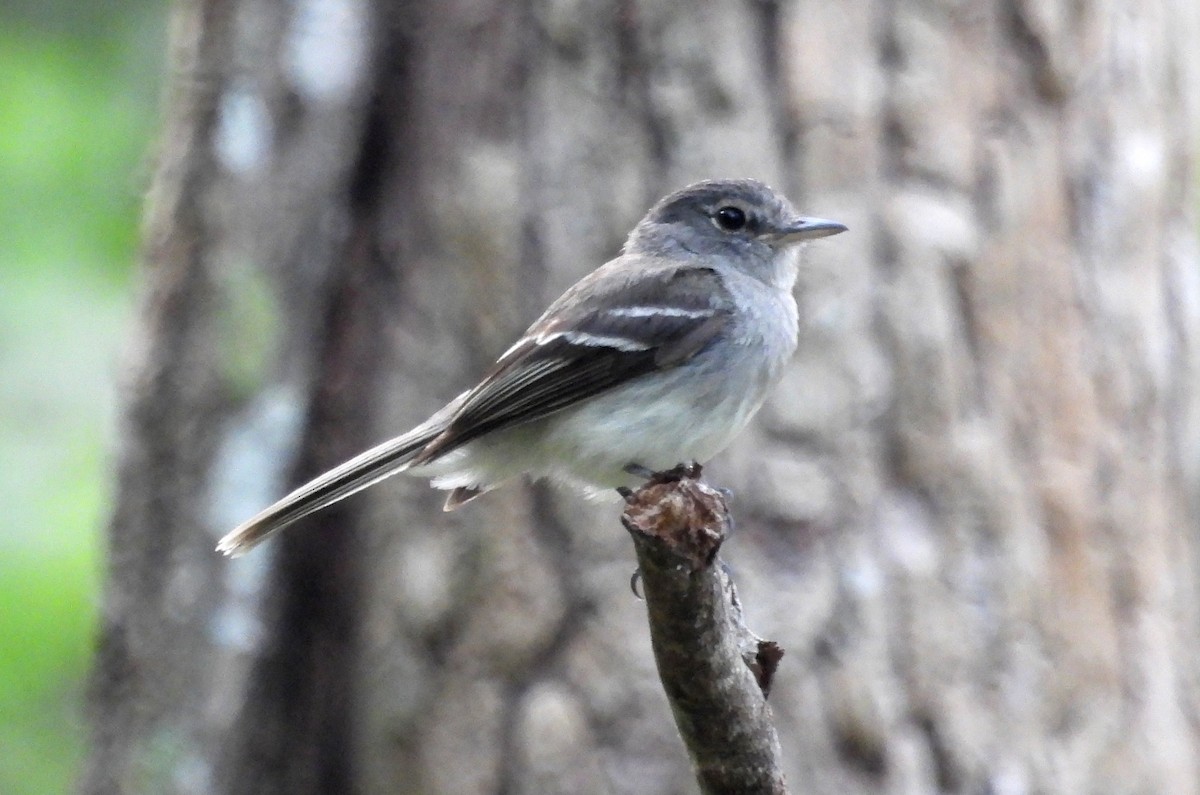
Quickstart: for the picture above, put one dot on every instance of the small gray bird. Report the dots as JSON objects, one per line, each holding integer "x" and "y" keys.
{"x": 657, "y": 357}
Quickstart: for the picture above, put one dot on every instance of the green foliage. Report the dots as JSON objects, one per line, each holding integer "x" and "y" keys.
{"x": 80, "y": 98}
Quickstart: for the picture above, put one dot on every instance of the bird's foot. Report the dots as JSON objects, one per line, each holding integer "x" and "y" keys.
{"x": 639, "y": 471}
{"x": 688, "y": 469}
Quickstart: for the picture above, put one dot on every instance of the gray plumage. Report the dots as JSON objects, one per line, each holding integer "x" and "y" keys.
{"x": 660, "y": 356}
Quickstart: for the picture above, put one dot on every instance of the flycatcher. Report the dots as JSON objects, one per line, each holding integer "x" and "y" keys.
{"x": 658, "y": 357}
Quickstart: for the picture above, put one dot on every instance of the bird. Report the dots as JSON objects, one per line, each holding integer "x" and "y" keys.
{"x": 658, "y": 357}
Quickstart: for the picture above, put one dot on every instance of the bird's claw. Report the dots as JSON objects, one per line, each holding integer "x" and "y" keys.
{"x": 639, "y": 471}
{"x": 687, "y": 469}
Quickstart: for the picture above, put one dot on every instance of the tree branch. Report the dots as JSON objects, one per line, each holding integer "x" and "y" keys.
{"x": 715, "y": 671}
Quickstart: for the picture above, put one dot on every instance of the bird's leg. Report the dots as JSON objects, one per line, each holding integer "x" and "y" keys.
{"x": 688, "y": 469}
{"x": 639, "y": 470}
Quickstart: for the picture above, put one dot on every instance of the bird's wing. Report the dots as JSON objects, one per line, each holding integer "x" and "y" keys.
{"x": 581, "y": 348}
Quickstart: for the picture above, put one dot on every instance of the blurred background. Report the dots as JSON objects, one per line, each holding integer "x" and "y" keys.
{"x": 968, "y": 513}
{"x": 80, "y": 84}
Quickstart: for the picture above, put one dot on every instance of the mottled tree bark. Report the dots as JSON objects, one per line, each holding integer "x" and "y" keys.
{"x": 969, "y": 513}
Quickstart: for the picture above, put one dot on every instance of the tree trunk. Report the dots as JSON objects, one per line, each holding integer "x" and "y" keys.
{"x": 968, "y": 514}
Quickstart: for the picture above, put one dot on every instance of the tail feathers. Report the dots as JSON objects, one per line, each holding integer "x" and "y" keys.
{"x": 355, "y": 475}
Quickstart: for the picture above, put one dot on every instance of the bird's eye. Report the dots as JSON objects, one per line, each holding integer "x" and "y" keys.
{"x": 730, "y": 218}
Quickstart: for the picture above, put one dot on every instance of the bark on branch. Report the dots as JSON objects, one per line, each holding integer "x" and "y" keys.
{"x": 715, "y": 671}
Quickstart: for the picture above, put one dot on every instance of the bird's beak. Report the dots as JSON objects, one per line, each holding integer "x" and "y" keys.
{"x": 808, "y": 229}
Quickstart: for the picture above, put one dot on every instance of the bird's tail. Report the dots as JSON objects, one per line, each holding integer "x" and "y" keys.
{"x": 356, "y": 474}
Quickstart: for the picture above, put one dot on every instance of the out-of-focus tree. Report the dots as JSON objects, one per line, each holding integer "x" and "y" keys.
{"x": 969, "y": 514}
